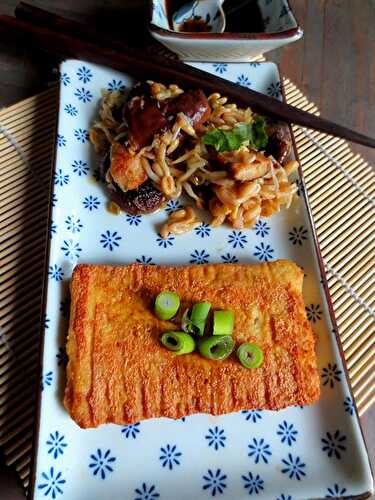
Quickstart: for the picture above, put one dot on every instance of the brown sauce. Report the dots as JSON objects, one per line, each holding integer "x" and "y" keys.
{"x": 242, "y": 16}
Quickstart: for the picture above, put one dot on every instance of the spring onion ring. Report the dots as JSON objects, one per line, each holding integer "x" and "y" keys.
{"x": 199, "y": 315}
{"x": 217, "y": 347}
{"x": 166, "y": 305}
{"x": 223, "y": 322}
{"x": 178, "y": 342}
{"x": 250, "y": 355}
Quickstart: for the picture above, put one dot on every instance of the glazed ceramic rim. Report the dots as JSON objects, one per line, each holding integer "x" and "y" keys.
{"x": 204, "y": 36}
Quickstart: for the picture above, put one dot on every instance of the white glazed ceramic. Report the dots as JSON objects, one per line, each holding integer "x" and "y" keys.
{"x": 209, "y": 10}
{"x": 297, "y": 453}
{"x": 281, "y": 29}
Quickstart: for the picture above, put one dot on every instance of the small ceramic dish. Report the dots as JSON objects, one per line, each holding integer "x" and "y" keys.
{"x": 280, "y": 28}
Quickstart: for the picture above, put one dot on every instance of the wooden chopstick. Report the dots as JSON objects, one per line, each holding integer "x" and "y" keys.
{"x": 70, "y": 39}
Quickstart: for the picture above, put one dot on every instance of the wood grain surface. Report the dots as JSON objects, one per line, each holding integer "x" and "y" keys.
{"x": 334, "y": 65}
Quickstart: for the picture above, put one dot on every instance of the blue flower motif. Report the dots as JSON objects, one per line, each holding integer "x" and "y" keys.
{"x": 62, "y": 357}
{"x": 203, "y": 230}
{"x": 53, "y": 199}
{"x": 334, "y": 444}
{"x": 253, "y": 483}
{"x": 60, "y": 178}
{"x": 84, "y": 74}
{"x": 298, "y": 235}
{"x": 110, "y": 240}
{"x": 65, "y": 79}
{"x": 146, "y": 493}
{"x": 216, "y": 437}
{"x": 243, "y": 80}
{"x": 262, "y": 228}
{"x": 80, "y": 167}
{"x": 259, "y": 450}
{"x": 237, "y": 239}
{"x": 56, "y": 444}
{"x": 145, "y": 260}
{"x": 133, "y": 219}
{"x": 91, "y": 202}
{"x": 254, "y": 64}
{"x": 46, "y": 321}
{"x": 46, "y": 379}
{"x": 199, "y": 257}
{"x": 252, "y": 415}
{"x": 131, "y": 430}
{"x": 335, "y": 491}
{"x": 61, "y": 141}
{"x": 287, "y": 433}
{"x": 101, "y": 463}
{"x": 314, "y": 313}
{"x": 170, "y": 456}
{"x": 165, "y": 242}
{"x": 73, "y": 224}
{"x": 214, "y": 481}
{"x": 229, "y": 259}
{"x": 293, "y": 466}
{"x": 284, "y": 497}
{"x": 51, "y": 483}
{"x": 52, "y": 229}
{"x": 71, "y": 110}
{"x": 83, "y": 95}
{"x": 220, "y": 67}
{"x": 263, "y": 252}
{"x": 284, "y": 11}
{"x": 172, "y": 206}
{"x": 81, "y": 135}
{"x": 55, "y": 272}
{"x": 274, "y": 89}
{"x": 116, "y": 85}
{"x": 331, "y": 374}
{"x": 349, "y": 405}
{"x": 71, "y": 249}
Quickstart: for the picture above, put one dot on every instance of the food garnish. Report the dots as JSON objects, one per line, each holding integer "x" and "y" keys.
{"x": 178, "y": 342}
{"x": 199, "y": 314}
{"x": 216, "y": 347}
{"x": 250, "y": 134}
{"x": 223, "y": 322}
{"x": 250, "y": 355}
{"x": 166, "y": 305}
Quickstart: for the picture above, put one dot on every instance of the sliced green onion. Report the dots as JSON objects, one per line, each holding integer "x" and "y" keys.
{"x": 223, "y": 322}
{"x": 250, "y": 355}
{"x": 187, "y": 324}
{"x": 217, "y": 347}
{"x": 166, "y": 305}
{"x": 199, "y": 315}
{"x": 178, "y": 342}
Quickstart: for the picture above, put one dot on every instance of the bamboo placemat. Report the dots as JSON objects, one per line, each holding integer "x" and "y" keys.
{"x": 341, "y": 187}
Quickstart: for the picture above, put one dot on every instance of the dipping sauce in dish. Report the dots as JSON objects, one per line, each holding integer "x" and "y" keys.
{"x": 242, "y": 16}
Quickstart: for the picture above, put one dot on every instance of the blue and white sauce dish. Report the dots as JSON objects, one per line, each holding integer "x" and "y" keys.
{"x": 296, "y": 453}
{"x": 280, "y": 28}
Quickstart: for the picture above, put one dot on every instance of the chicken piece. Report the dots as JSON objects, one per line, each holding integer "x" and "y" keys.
{"x": 126, "y": 169}
{"x": 118, "y": 371}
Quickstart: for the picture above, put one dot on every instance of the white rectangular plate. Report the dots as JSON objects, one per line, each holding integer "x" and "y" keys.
{"x": 310, "y": 452}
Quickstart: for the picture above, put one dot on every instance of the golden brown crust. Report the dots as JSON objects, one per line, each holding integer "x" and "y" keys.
{"x": 118, "y": 372}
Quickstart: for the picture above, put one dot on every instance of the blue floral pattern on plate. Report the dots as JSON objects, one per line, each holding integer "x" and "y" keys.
{"x": 255, "y": 453}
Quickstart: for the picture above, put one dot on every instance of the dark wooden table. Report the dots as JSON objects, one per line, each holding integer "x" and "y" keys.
{"x": 334, "y": 65}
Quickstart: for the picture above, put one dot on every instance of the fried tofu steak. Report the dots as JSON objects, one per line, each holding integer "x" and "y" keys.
{"x": 118, "y": 372}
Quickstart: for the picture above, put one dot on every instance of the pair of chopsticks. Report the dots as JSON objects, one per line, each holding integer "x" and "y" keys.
{"x": 70, "y": 39}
